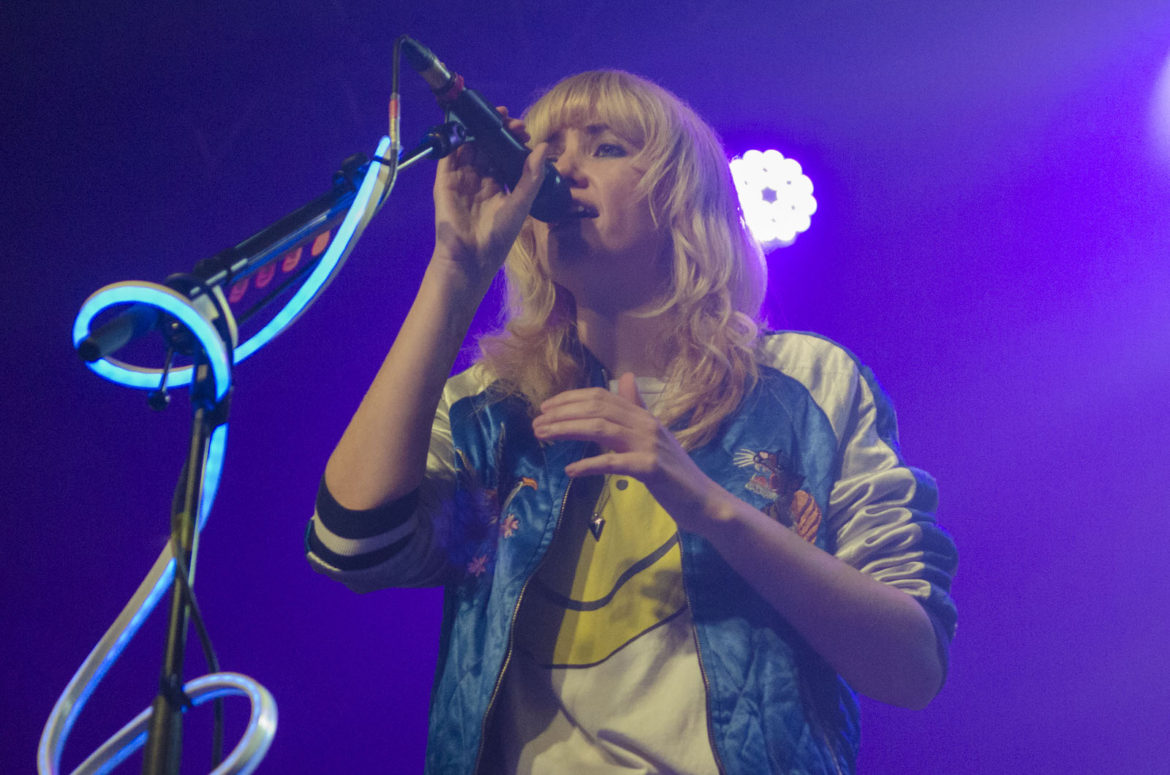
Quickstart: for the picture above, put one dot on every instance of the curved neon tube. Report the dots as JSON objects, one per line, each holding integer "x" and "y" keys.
{"x": 262, "y": 725}
{"x": 103, "y": 656}
{"x": 364, "y": 206}
{"x": 244, "y": 758}
{"x": 173, "y": 303}
{"x": 366, "y": 203}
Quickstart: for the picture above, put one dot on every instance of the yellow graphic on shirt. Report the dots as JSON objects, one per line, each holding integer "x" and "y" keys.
{"x": 594, "y": 595}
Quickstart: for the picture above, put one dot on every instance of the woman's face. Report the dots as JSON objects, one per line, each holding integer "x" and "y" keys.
{"x": 608, "y": 250}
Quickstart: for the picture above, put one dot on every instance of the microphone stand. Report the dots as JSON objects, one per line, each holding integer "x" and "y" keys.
{"x": 267, "y": 245}
{"x": 264, "y": 247}
{"x": 204, "y": 285}
{"x": 164, "y": 742}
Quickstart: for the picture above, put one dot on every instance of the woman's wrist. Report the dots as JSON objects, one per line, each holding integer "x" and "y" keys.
{"x": 710, "y": 512}
{"x": 460, "y": 283}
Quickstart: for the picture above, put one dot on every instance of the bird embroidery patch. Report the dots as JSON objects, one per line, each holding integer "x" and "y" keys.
{"x": 776, "y": 479}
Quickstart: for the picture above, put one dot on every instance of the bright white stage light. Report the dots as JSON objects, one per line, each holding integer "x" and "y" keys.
{"x": 1160, "y": 117}
{"x": 775, "y": 195}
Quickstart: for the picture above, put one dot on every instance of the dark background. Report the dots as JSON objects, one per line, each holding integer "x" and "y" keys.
{"x": 992, "y": 238}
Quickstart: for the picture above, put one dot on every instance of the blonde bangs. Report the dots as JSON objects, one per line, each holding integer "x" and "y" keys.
{"x": 635, "y": 109}
{"x": 607, "y": 97}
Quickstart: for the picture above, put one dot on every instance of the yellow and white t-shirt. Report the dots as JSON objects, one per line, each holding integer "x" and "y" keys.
{"x": 604, "y": 675}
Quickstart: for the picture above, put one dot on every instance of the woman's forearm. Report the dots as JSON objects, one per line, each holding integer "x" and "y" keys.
{"x": 876, "y": 636}
{"x": 382, "y": 453}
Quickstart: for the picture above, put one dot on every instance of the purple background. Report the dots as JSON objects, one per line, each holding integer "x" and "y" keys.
{"x": 992, "y": 238}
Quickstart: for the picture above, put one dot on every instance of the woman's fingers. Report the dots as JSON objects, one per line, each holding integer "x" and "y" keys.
{"x": 631, "y": 464}
{"x": 513, "y": 125}
{"x": 573, "y": 412}
{"x": 477, "y": 218}
{"x": 631, "y": 435}
{"x": 582, "y": 400}
{"x": 599, "y": 430}
{"x": 628, "y": 389}
{"x": 530, "y": 180}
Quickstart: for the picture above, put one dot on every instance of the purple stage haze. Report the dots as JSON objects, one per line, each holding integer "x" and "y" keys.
{"x": 992, "y": 237}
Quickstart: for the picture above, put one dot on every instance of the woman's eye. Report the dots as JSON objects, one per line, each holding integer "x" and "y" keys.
{"x": 610, "y": 149}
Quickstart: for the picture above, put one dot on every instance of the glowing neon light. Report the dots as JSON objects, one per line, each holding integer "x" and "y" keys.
{"x": 109, "y": 649}
{"x": 359, "y": 214}
{"x": 244, "y": 758}
{"x": 212, "y": 471}
{"x": 262, "y": 724}
{"x": 124, "y": 754}
{"x": 265, "y": 275}
{"x": 173, "y": 303}
{"x": 71, "y": 702}
{"x": 319, "y": 245}
{"x": 775, "y": 195}
{"x": 365, "y": 203}
{"x": 291, "y": 259}
{"x": 238, "y": 290}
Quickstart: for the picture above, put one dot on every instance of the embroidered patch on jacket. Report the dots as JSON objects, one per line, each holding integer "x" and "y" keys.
{"x": 478, "y": 519}
{"x": 475, "y": 520}
{"x": 508, "y": 525}
{"x": 776, "y": 479}
{"x": 478, "y": 566}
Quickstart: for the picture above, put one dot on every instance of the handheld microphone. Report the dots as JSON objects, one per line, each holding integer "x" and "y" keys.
{"x": 554, "y": 200}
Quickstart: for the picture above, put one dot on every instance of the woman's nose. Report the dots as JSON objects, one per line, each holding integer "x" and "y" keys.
{"x": 568, "y": 165}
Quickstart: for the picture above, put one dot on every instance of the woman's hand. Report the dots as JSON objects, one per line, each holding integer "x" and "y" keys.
{"x": 477, "y": 219}
{"x": 635, "y": 444}
{"x": 383, "y": 453}
{"x": 876, "y": 636}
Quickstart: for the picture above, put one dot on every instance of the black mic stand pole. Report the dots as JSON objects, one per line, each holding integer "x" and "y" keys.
{"x": 164, "y": 742}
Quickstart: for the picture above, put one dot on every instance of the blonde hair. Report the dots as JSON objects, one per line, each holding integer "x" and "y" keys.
{"x": 717, "y": 277}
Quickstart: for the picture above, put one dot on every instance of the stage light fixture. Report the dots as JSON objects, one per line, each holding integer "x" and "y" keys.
{"x": 775, "y": 196}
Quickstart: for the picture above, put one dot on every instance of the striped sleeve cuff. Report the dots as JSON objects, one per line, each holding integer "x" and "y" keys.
{"x": 364, "y": 523}
{"x": 354, "y": 540}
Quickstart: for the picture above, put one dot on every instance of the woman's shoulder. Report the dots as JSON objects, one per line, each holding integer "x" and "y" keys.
{"x": 479, "y": 387}
{"x": 799, "y": 352}
{"x": 475, "y": 380}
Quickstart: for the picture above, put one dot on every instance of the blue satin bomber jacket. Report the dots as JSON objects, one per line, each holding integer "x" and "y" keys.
{"x": 814, "y": 444}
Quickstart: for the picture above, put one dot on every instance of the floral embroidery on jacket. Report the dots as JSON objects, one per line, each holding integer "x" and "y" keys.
{"x": 508, "y": 525}
{"x": 476, "y": 517}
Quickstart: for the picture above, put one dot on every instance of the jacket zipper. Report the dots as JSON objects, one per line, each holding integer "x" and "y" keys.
{"x": 516, "y": 612}
{"x": 702, "y": 670}
{"x": 512, "y": 636}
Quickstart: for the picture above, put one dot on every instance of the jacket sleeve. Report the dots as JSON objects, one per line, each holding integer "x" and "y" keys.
{"x": 400, "y": 543}
{"x": 882, "y": 511}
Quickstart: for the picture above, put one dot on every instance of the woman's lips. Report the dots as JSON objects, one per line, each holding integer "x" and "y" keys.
{"x": 577, "y": 213}
{"x": 580, "y": 210}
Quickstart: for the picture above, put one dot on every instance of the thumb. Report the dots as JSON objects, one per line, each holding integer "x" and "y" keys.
{"x": 531, "y": 179}
{"x": 628, "y": 389}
